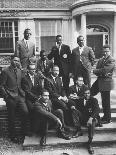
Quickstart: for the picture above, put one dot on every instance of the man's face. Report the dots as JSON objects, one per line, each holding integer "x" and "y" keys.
{"x": 15, "y": 62}
{"x": 43, "y": 56}
{"x": 87, "y": 94}
{"x": 27, "y": 34}
{"x": 80, "y": 41}
{"x": 79, "y": 81}
{"x": 59, "y": 40}
{"x": 45, "y": 97}
{"x": 32, "y": 69}
{"x": 106, "y": 52}
{"x": 55, "y": 71}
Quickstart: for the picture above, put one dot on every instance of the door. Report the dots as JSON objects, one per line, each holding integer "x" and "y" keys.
{"x": 96, "y": 43}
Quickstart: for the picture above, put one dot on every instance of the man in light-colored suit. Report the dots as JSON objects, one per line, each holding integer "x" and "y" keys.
{"x": 25, "y": 49}
{"x": 82, "y": 61}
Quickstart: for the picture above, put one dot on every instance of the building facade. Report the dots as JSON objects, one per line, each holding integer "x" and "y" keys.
{"x": 94, "y": 19}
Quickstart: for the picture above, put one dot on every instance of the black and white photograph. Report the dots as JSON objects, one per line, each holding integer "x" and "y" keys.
{"x": 57, "y": 77}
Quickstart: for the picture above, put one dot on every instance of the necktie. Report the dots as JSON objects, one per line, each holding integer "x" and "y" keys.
{"x": 27, "y": 44}
{"x": 33, "y": 80}
{"x": 15, "y": 71}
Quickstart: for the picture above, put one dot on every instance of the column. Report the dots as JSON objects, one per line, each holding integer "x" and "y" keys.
{"x": 74, "y": 33}
{"x": 65, "y": 32}
{"x": 83, "y": 26}
{"x": 114, "y": 40}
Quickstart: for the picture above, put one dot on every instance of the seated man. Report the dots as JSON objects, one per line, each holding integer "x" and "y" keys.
{"x": 57, "y": 94}
{"x": 76, "y": 91}
{"x": 89, "y": 112}
{"x": 44, "y": 67}
{"x": 30, "y": 84}
{"x": 44, "y": 111}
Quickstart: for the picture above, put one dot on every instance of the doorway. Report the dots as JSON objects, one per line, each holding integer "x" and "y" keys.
{"x": 96, "y": 43}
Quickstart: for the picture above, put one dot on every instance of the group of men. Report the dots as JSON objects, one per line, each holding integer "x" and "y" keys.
{"x": 40, "y": 90}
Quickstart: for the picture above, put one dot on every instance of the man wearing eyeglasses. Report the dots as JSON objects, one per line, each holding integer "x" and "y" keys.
{"x": 25, "y": 49}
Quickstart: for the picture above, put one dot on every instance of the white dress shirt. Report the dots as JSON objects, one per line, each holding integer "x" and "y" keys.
{"x": 32, "y": 78}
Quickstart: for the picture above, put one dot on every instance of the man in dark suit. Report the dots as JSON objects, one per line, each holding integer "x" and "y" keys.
{"x": 25, "y": 49}
{"x": 62, "y": 58}
{"x": 82, "y": 61}
{"x": 76, "y": 91}
{"x": 104, "y": 83}
{"x": 10, "y": 86}
{"x": 44, "y": 111}
{"x": 44, "y": 67}
{"x": 57, "y": 94}
{"x": 89, "y": 113}
{"x": 30, "y": 84}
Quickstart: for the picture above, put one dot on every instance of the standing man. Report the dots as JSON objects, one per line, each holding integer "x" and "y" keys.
{"x": 62, "y": 58}
{"x": 25, "y": 49}
{"x": 89, "y": 114}
{"x": 10, "y": 86}
{"x": 82, "y": 61}
{"x": 104, "y": 83}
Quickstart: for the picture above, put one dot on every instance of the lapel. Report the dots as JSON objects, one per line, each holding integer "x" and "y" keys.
{"x": 29, "y": 80}
{"x": 24, "y": 45}
{"x": 15, "y": 74}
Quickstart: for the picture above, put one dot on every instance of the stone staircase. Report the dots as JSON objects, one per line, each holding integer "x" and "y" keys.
{"x": 104, "y": 136}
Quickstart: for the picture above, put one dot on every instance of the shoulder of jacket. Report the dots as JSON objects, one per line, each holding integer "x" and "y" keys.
{"x": 74, "y": 49}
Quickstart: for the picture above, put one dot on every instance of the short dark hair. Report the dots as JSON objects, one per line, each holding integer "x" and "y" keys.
{"x": 106, "y": 46}
{"x": 41, "y": 52}
{"x": 79, "y": 37}
{"x": 44, "y": 90}
{"x": 59, "y": 35}
{"x": 13, "y": 56}
{"x": 27, "y": 29}
{"x": 86, "y": 88}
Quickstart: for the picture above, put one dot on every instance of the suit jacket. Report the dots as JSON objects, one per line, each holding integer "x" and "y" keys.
{"x": 91, "y": 109}
{"x": 25, "y": 53}
{"x": 42, "y": 70}
{"x": 45, "y": 111}
{"x": 79, "y": 93}
{"x": 32, "y": 91}
{"x": 87, "y": 57}
{"x": 55, "y": 89}
{"x": 104, "y": 71}
{"x": 62, "y": 60}
{"x": 10, "y": 83}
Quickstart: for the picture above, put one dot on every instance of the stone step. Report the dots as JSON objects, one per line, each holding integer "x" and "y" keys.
{"x": 99, "y": 140}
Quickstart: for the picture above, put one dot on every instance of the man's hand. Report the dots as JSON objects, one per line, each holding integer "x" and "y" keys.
{"x": 65, "y": 99}
{"x": 90, "y": 121}
{"x": 73, "y": 108}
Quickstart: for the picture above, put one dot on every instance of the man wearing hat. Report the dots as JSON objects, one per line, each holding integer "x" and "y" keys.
{"x": 104, "y": 83}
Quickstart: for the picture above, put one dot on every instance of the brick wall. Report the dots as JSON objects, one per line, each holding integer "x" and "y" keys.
{"x": 4, "y": 122}
{"x": 36, "y": 3}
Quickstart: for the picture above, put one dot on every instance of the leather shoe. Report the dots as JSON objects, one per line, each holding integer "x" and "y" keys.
{"x": 106, "y": 121}
{"x": 77, "y": 134}
{"x": 43, "y": 141}
{"x": 90, "y": 149}
{"x": 66, "y": 128}
{"x": 63, "y": 135}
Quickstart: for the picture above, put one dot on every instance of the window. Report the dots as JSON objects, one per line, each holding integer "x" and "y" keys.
{"x": 46, "y": 31}
{"x": 8, "y": 36}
